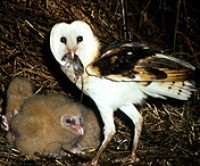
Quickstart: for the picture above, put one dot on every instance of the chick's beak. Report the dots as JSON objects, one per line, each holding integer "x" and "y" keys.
{"x": 78, "y": 128}
{"x": 78, "y": 125}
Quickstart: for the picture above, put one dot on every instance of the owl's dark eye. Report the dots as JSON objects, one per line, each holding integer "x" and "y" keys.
{"x": 79, "y": 39}
{"x": 70, "y": 121}
{"x": 63, "y": 40}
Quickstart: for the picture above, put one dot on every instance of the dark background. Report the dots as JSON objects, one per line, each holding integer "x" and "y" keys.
{"x": 171, "y": 130}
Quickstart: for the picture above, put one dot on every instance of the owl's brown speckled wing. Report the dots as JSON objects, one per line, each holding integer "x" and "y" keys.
{"x": 127, "y": 63}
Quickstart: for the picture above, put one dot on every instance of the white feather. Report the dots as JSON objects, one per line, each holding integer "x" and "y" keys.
{"x": 177, "y": 90}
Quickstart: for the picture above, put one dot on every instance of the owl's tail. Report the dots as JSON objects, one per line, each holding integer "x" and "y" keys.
{"x": 178, "y": 90}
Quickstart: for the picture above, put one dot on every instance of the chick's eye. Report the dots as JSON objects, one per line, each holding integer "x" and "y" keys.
{"x": 63, "y": 40}
{"x": 79, "y": 39}
{"x": 70, "y": 121}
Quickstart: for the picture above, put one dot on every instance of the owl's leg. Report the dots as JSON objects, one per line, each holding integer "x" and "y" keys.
{"x": 132, "y": 112}
{"x": 109, "y": 132}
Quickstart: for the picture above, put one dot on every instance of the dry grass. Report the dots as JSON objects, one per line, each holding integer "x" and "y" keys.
{"x": 171, "y": 131}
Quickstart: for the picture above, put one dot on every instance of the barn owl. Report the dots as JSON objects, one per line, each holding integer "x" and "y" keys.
{"x": 119, "y": 78}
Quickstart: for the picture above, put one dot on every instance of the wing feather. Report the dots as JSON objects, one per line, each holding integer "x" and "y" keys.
{"x": 139, "y": 64}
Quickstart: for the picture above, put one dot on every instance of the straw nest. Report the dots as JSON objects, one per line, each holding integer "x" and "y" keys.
{"x": 171, "y": 131}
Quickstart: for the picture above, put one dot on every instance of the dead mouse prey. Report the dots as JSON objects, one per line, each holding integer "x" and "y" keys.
{"x": 76, "y": 62}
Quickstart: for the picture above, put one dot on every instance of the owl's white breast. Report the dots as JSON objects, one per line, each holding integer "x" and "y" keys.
{"x": 106, "y": 92}
{"x": 114, "y": 94}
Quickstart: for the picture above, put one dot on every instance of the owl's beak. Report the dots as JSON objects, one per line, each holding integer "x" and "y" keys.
{"x": 71, "y": 54}
{"x": 68, "y": 56}
{"x": 72, "y": 51}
